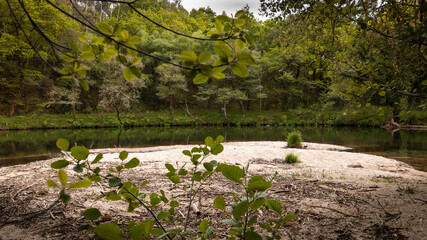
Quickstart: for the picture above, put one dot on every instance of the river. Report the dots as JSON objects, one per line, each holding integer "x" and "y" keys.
{"x": 19, "y": 147}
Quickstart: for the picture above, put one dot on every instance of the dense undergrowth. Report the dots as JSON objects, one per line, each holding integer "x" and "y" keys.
{"x": 368, "y": 117}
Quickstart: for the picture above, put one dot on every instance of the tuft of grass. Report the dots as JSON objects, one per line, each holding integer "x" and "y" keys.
{"x": 294, "y": 140}
{"x": 291, "y": 158}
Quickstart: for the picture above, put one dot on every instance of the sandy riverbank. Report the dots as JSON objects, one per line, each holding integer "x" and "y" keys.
{"x": 336, "y": 194}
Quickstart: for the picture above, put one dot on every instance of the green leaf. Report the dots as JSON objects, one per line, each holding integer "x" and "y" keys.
{"x": 134, "y": 162}
{"x": 134, "y": 39}
{"x": 208, "y": 166}
{"x": 239, "y": 13}
{"x": 249, "y": 40}
{"x": 174, "y": 204}
{"x": 222, "y": 50}
{"x": 68, "y": 57}
{"x": 240, "y": 44}
{"x": 105, "y": 28}
{"x": 246, "y": 58}
{"x": 219, "y": 139}
{"x": 62, "y": 176}
{"x": 114, "y": 182}
{"x": 121, "y": 59}
{"x": 289, "y": 217}
{"x": 274, "y": 205}
{"x": 203, "y": 226}
{"x": 204, "y": 57}
{"x": 252, "y": 236}
{"x": 84, "y": 84}
{"x": 239, "y": 69}
{"x": 219, "y": 203}
{"x": 91, "y": 214}
{"x": 62, "y": 144}
{"x": 219, "y": 27}
{"x": 229, "y": 222}
{"x": 109, "y": 231}
{"x": 218, "y": 75}
{"x": 260, "y": 185}
{"x": 78, "y": 168}
{"x": 209, "y": 141}
{"x": 240, "y": 209}
{"x": 88, "y": 55}
{"x": 257, "y": 203}
{"x": 113, "y": 197}
{"x": 239, "y": 22}
{"x": 232, "y": 173}
{"x": 123, "y": 155}
{"x": 200, "y": 78}
{"x": 97, "y": 158}
{"x": 424, "y": 83}
{"x": 51, "y": 184}
{"x": 162, "y": 215}
{"x": 187, "y": 153}
{"x": 80, "y": 184}
{"x": 135, "y": 71}
{"x": 188, "y": 56}
{"x": 170, "y": 167}
{"x": 79, "y": 152}
{"x": 252, "y": 220}
{"x": 217, "y": 149}
{"x": 128, "y": 75}
{"x": 65, "y": 198}
{"x": 175, "y": 179}
{"x": 59, "y": 164}
{"x": 83, "y": 38}
{"x": 223, "y": 18}
{"x": 75, "y": 48}
{"x": 142, "y": 230}
{"x": 382, "y": 93}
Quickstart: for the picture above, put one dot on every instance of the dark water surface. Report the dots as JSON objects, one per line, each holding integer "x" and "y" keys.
{"x": 19, "y": 147}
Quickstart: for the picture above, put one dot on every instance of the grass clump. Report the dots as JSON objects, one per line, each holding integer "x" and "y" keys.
{"x": 294, "y": 140}
{"x": 291, "y": 158}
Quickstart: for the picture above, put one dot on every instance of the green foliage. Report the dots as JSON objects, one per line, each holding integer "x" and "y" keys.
{"x": 246, "y": 203}
{"x": 294, "y": 140}
{"x": 291, "y": 158}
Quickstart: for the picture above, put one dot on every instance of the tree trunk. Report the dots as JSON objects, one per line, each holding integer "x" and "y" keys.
{"x": 118, "y": 115}
{"x": 260, "y": 104}
{"x": 242, "y": 108}
{"x": 102, "y": 116}
{"x": 12, "y": 109}
{"x": 73, "y": 106}
{"x": 224, "y": 109}
{"x": 171, "y": 109}
{"x": 186, "y": 108}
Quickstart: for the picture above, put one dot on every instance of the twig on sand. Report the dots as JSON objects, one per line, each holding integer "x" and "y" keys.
{"x": 335, "y": 210}
{"x": 27, "y": 216}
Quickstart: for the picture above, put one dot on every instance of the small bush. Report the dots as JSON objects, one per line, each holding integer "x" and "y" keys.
{"x": 291, "y": 158}
{"x": 294, "y": 140}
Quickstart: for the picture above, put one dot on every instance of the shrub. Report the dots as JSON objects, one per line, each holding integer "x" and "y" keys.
{"x": 294, "y": 140}
{"x": 241, "y": 209}
{"x": 291, "y": 158}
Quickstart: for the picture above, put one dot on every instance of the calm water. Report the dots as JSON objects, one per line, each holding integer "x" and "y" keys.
{"x": 18, "y": 147}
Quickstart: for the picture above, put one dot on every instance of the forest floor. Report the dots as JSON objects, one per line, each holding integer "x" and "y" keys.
{"x": 336, "y": 194}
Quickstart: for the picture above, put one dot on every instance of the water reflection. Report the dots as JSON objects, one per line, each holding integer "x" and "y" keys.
{"x": 17, "y": 147}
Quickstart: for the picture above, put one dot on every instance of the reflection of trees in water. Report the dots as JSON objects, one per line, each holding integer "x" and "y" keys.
{"x": 402, "y": 143}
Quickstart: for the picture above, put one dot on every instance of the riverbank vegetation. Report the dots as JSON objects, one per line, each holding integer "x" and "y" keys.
{"x": 319, "y": 65}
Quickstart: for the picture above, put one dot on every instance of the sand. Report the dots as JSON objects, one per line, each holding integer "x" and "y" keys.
{"x": 336, "y": 194}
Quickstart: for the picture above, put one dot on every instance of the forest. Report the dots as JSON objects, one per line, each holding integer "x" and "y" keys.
{"x": 326, "y": 62}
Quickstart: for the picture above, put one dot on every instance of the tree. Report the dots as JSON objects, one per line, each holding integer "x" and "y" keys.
{"x": 389, "y": 38}
{"x": 21, "y": 70}
{"x": 117, "y": 94}
{"x": 172, "y": 85}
